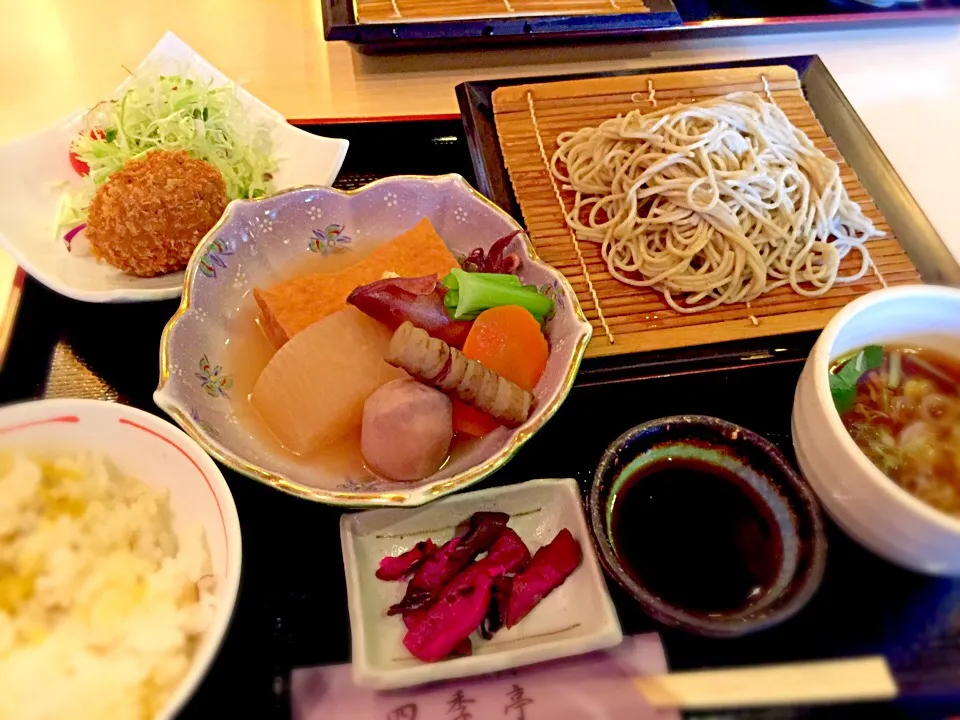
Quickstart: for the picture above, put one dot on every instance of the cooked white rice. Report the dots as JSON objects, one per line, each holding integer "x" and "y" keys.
{"x": 102, "y": 604}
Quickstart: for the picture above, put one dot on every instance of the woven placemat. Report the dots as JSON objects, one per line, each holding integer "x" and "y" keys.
{"x": 71, "y": 377}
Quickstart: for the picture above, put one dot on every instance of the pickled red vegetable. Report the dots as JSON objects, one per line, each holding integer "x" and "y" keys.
{"x": 548, "y": 569}
{"x": 395, "y": 568}
{"x": 458, "y": 611}
{"x": 477, "y": 535}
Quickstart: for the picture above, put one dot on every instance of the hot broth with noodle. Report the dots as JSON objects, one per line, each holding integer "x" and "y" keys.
{"x": 905, "y": 417}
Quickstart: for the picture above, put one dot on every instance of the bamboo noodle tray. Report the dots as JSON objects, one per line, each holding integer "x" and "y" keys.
{"x": 393, "y": 11}
{"x": 638, "y": 319}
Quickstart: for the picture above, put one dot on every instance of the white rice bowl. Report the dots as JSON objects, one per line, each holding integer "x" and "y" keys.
{"x": 119, "y": 563}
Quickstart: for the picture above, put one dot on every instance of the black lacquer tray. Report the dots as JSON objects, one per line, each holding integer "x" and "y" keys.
{"x": 835, "y": 113}
{"x": 679, "y": 20}
{"x": 292, "y": 611}
{"x": 340, "y": 23}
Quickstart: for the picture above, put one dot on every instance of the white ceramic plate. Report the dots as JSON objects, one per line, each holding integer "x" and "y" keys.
{"x": 255, "y": 240}
{"x": 33, "y": 171}
{"x": 578, "y": 617}
{"x": 155, "y": 452}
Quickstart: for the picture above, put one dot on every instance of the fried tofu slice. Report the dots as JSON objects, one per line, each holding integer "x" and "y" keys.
{"x": 291, "y": 306}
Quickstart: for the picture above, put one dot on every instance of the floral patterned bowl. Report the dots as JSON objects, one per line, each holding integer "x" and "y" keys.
{"x": 255, "y": 240}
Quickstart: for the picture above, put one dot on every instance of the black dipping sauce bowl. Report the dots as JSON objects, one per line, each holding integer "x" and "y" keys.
{"x": 707, "y": 526}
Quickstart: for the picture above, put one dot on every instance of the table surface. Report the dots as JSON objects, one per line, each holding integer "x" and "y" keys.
{"x": 60, "y": 55}
{"x": 276, "y": 49}
{"x": 904, "y": 84}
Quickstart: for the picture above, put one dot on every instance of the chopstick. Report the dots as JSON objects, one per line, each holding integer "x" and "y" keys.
{"x": 808, "y": 683}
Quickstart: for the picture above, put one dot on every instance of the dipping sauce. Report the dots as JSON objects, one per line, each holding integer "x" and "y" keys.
{"x": 695, "y": 534}
{"x": 905, "y": 417}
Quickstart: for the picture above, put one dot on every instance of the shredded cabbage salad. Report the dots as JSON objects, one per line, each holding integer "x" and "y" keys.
{"x": 171, "y": 112}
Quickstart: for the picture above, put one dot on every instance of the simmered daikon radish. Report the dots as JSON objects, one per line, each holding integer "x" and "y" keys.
{"x": 312, "y": 391}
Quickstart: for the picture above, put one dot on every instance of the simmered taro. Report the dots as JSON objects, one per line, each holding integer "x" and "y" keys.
{"x": 406, "y": 430}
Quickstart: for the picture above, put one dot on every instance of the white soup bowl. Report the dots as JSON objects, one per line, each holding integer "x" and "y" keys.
{"x": 864, "y": 502}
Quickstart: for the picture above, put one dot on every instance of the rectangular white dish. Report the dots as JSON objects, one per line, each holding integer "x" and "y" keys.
{"x": 578, "y": 617}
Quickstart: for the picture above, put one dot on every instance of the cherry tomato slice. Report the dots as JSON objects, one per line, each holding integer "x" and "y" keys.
{"x": 79, "y": 166}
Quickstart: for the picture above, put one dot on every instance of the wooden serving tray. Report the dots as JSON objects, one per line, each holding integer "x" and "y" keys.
{"x": 393, "y": 11}
{"x": 635, "y": 319}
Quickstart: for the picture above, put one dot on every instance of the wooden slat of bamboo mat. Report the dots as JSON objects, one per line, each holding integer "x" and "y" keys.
{"x": 383, "y": 11}
{"x": 638, "y": 318}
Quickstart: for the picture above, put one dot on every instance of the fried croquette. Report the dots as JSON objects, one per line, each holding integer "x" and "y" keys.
{"x": 150, "y": 215}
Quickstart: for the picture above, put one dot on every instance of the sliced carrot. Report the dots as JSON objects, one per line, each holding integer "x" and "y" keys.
{"x": 507, "y": 340}
{"x": 467, "y": 419}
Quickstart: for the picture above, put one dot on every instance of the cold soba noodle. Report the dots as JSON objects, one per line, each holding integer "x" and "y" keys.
{"x": 906, "y": 419}
{"x": 712, "y": 203}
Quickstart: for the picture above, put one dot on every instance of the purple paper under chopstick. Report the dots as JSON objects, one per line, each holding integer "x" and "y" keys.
{"x": 589, "y": 687}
